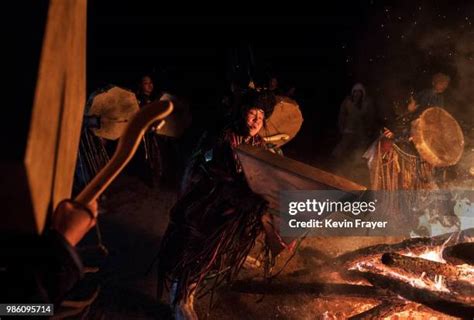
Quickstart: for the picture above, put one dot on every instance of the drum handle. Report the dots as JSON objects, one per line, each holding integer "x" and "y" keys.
{"x": 126, "y": 148}
{"x": 277, "y": 137}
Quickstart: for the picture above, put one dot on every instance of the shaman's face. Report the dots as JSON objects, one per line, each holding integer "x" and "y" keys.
{"x": 255, "y": 120}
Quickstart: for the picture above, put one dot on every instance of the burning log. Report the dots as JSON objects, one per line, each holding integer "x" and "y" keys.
{"x": 404, "y": 269}
{"x": 460, "y": 253}
{"x": 399, "y": 309}
{"x": 418, "y": 266}
{"x": 461, "y": 287}
{"x": 447, "y": 303}
{"x": 316, "y": 288}
{"x": 413, "y": 245}
{"x": 384, "y": 309}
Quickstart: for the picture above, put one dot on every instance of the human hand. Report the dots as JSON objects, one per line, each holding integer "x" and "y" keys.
{"x": 74, "y": 220}
{"x": 412, "y": 105}
{"x": 387, "y": 133}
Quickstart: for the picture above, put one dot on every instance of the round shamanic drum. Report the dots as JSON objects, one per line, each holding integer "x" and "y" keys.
{"x": 284, "y": 123}
{"x": 438, "y": 137}
{"x": 116, "y": 107}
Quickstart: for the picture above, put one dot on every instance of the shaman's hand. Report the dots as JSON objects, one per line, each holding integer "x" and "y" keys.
{"x": 387, "y": 133}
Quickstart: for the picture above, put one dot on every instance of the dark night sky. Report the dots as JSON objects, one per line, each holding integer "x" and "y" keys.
{"x": 388, "y": 45}
{"x": 190, "y": 55}
{"x": 126, "y": 41}
{"x": 377, "y": 42}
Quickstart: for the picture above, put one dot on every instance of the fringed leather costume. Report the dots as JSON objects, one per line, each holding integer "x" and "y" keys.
{"x": 395, "y": 163}
{"x": 216, "y": 221}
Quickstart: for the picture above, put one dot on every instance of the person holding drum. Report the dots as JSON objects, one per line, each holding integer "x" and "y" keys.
{"x": 415, "y": 171}
{"x": 150, "y": 161}
{"x": 142, "y": 163}
{"x": 160, "y": 156}
{"x": 214, "y": 224}
{"x": 408, "y": 154}
{"x": 393, "y": 160}
{"x": 432, "y": 97}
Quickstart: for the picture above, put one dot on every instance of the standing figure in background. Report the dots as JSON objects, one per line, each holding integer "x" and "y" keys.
{"x": 148, "y": 161}
{"x": 161, "y": 154}
{"x": 356, "y": 121}
{"x": 281, "y": 87}
{"x": 146, "y": 91}
{"x": 274, "y": 85}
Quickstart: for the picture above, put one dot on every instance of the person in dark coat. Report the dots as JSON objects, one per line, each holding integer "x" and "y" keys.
{"x": 214, "y": 224}
{"x": 43, "y": 269}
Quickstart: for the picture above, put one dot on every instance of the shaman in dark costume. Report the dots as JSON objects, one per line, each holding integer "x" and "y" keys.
{"x": 216, "y": 221}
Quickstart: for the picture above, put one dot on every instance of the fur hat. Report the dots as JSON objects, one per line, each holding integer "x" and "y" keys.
{"x": 264, "y": 100}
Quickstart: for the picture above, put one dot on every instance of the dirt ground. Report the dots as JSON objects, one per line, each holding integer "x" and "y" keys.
{"x": 134, "y": 219}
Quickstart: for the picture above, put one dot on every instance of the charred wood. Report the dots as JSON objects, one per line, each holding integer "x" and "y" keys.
{"x": 384, "y": 309}
{"x": 440, "y": 301}
{"x": 417, "y": 266}
{"x": 460, "y": 253}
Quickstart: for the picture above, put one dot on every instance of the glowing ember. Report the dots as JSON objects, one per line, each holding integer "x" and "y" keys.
{"x": 421, "y": 266}
{"x": 434, "y": 282}
{"x": 418, "y": 314}
{"x": 422, "y": 282}
{"x": 432, "y": 255}
{"x": 435, "y": 254}
{"x": 439, "y": 282}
